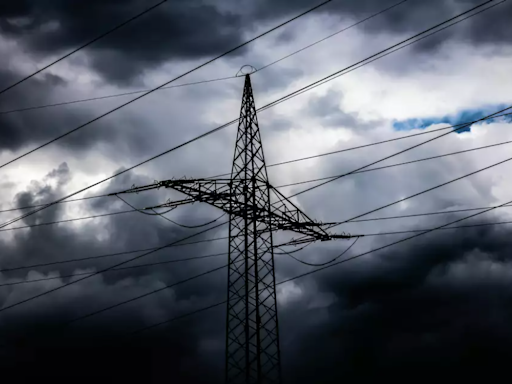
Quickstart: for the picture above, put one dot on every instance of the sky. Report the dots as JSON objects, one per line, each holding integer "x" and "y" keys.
{"x": 437, "y": 305}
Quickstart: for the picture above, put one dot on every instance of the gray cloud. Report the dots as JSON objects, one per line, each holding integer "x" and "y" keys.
{"x": 98, "y": 348}
{"x": 492, "y": 27}
{"x": 177, "y": 30}
{"x": 327, "y": 110}
{"x": 436, "y": 306}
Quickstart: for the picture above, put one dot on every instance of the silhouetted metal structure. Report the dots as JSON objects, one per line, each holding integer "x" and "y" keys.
{"x": 256, "y": 210}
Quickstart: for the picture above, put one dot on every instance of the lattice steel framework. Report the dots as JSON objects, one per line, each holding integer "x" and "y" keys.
{"x": 256, "y": 210}
{"x": 252, "y": 342}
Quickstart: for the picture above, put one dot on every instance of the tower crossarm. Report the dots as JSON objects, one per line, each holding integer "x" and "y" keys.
{"x": 224, "y": 194}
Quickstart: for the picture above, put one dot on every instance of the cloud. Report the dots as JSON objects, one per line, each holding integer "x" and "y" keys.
{"x": 412, "y": 16}
{"x": 435, "y": 306}
{"x": 183, "y": 30}
{"x": 37, "y": 321}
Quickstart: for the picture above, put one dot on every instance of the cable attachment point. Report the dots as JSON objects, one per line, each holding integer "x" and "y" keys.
{"x": 246, "y": 70}
{"x": 134, "y": 187}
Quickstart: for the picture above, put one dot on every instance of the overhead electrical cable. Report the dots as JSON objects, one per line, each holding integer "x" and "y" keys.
{"x": 107, "y": 255}
{"x": 321, "y": 264}
{"x": 111, "y": 96}
{"x": 205, "y": 81}
{"x": 332, "y": 35}
{"x": 447, "y": 228}
{"x": 293, "y": 94}
{"x": 62, "y": 202}
{"x": 163, "y": 85}
{"x": 152, "y": 326}
{"x": 116, "y": 269}
{"x": 161, "y": 214}
{"x": 117, "y": 27}
{"x": 428, "y": 190}
{"x": 447, "y": 212}
{"x": 108, "y": 215}
{"x": 399, "y": 164}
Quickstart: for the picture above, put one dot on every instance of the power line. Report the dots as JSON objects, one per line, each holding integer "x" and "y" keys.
{"x": 85, "y": 45}
{"x": 147, "y": 328}
{"x": 143, "y": 296}
{"x": 284, "y": 162}
{"x": 204, "y": 81}
{"x": 430, "y": 189}
{"x": 423, "y": 230}
{"x": 67, "y": 220}
{"x": 111, "y": 96}
{"x": 333, "y": 34}
{"x": 164, "y": 84}
{"x": 161, "y": 214}
{"x": 321, "y": 264}
{"x": 117, "y": 269}
{"x": 109, "y": 255}
{"x": 399, "y": 164}
{"x": 282, "y": 99}
{"x": 107, "y": 269}
{"x": 62, "y": 202}
{"x": 107, "y": 215}
{"x": 423, "y": 214}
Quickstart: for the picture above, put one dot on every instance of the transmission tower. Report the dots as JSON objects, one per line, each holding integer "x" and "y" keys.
{"x": 256, "y": 210}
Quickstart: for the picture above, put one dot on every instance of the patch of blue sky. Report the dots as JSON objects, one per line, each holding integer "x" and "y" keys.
{"x": 459, "y": 118}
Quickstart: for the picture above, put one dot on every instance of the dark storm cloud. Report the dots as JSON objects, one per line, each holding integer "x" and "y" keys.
{"x": 492, "y": 27}
{"x": 175, "y": 30}
{"x": 92, "y": 347}
{"x": 24, "y": 128}
{"x": 130, "y": 133}
{"x": 195, "y": 29}
{"x": 435, "y": 307}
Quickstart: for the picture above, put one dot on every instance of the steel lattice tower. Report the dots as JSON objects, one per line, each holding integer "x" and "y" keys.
{"x": 252, "y": 332}
{"x": 252, "y": 336}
